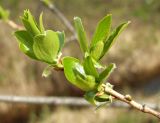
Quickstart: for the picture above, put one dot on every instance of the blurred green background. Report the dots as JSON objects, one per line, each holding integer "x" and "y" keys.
{"x": 136, "y": 54}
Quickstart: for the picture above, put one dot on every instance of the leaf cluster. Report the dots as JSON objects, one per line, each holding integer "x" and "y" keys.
{"x": 87, "y": 74}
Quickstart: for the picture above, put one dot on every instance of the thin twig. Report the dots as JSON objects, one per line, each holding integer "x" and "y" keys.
{"x": 14, "y": 25}
{"x": 127, "y": 99}
{"x": 74, "y": 101}
{"x": 60, "y": 15}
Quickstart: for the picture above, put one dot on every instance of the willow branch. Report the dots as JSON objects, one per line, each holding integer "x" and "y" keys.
{"x": 127, "y": 99}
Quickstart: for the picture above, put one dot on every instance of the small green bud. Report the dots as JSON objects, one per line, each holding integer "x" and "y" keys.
{"x": 96, "y": 50}
{"x": 30, "y": 23}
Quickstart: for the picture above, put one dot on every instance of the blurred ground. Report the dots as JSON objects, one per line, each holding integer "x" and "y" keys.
{"x": 136, "y": 54}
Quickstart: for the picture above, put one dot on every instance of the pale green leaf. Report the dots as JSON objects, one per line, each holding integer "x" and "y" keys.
{"x": 113, "y": 36}
{"x": 30, "y": 23}
{"x": 25, "y": 38}
{"x": 75, "y": 74}
{"x": 106, "y": 72}
{"x": 81, "y": 34}
{"x": 25, "y": 43}
{"x": 89, "y": 67}
{"x": 61, "y": 36}
{"x": 97, "y": 50}
{"x": 102, "y": 30}
{"x": 26, "y": 51}
{"x": 46, "y": 46}
{"x": 41, "y": 27}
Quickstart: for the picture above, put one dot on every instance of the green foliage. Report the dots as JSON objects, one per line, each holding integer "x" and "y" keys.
{"x": 38, "y": 43}
{"x": 81, "y": 34}
{"x": 86, "y": 74}
{"x": 113, "y": 36}
{"x": 45, "y": 48}
{"x": 4, "y": 14}
{"x": 102, "y": 30}
{"x": 75, "y": 74}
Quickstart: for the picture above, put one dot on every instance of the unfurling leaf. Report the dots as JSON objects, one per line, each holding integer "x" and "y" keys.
{"x": 97, "y": 50}
{"x": 41, "y": 27}
{"x": 30, "y": 23}
{"x": 106, "y": 72}
{"x": 61, "y": 37}
{"x": 75, "y": 74}
{"x": 25, "y": 43}
{"x": 46, "y": 46}
{"x": 81, "y": 34}
{"x": 102, "y": 30}
{"x": 98, "y": 100}
{"x": 113, "y": 36}
{"x": 89, "y": 67}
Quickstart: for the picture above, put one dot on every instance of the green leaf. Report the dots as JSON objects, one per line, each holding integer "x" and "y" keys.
{"x": 97, "y": 50}
{"x": 75, "y": 74}
{"x": 29, "y": 23}
{"x": 93, "y": 98}
{"x": 46, "y": 46}
{"x": 26, "y": 42}
{"x": 81, "y": 34}
{"x": 41, "y": 27}
{"x": 97, "y": 64}
{"x": 47, "y": 71}
{"x": 26, "y": 51}
{"x": 90, "y": 97}
{"x": 69, "y": 64}
{"x": 102, "y": 30}
{"x": 89, "y": 67}
{"x": 103, "y": 98}
{"x": 4, "y": 14}
{"x": 113, "y": 36}
{"x": 61, "y": 36}
{"x": 25, "y": 38}
{"x": 106, "y": 72}
{"x": 86, "y": 84}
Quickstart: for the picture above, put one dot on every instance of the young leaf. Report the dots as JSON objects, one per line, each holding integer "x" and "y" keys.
{"x": 69, "y": 64}
{"x": 93, "y": 98}
{"x": 113, "y": 36}
{"x": 81, "y": 34}
{"x": 29, "y": 23}
{"x": 90, "y": 97}
{"x": 97, "y": 50}
{"x": 47, "y": 71}
{"x": 89, "y": 67}
{"x": 61, "y": 36}
{"x": 106, "y": 72}
{"x": 25, "y": 38}
{"x": 75, "y": 74}
{"x": 25, "y": 43}
{"x": 41, "y": 27}
{"x": 102, "y": 30}
{"x": 46, "y": 46}
{"x": 86, "y": 84}
{"x": 27, "y": 51}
